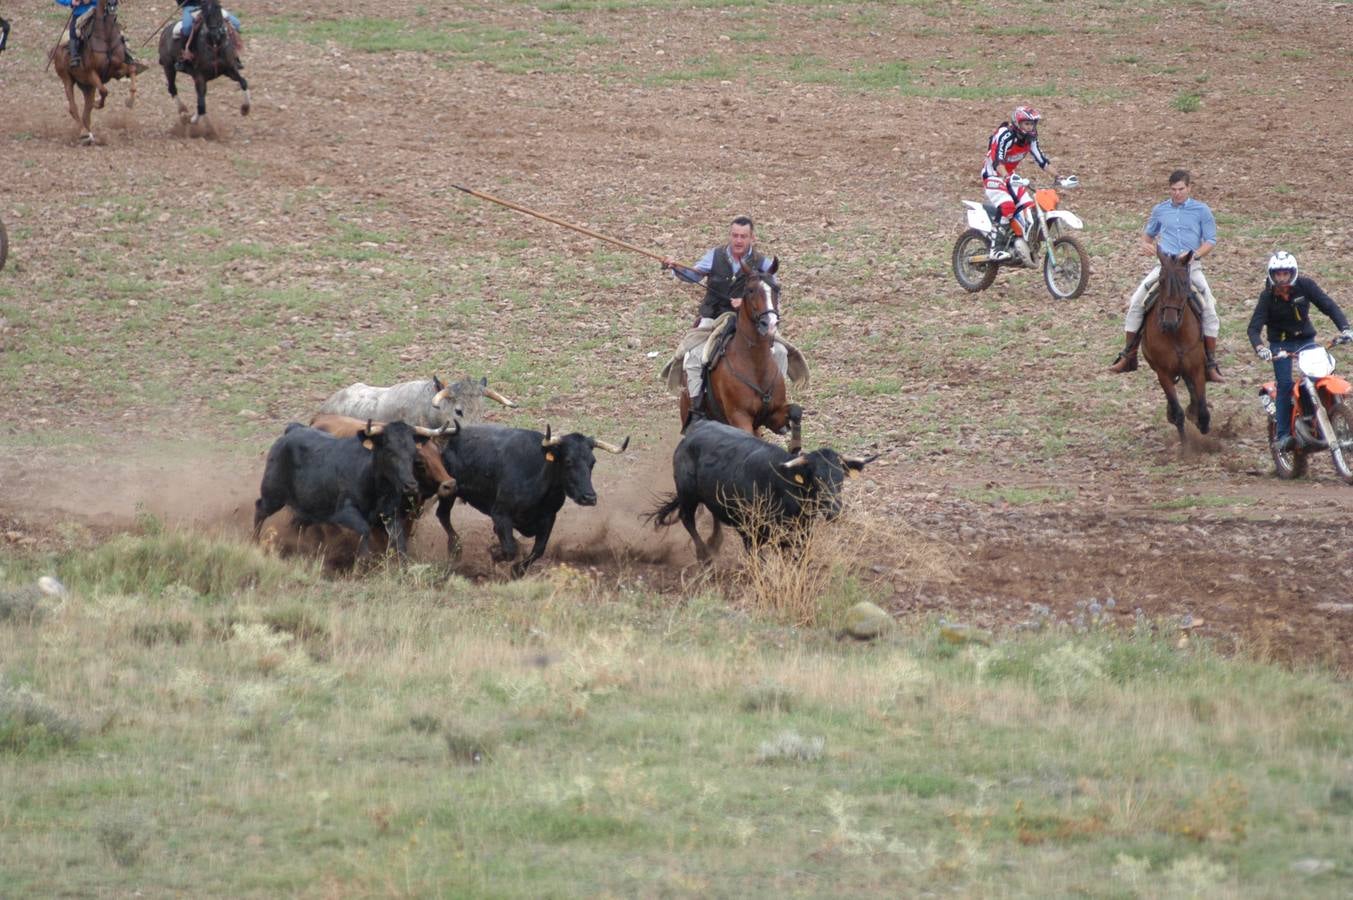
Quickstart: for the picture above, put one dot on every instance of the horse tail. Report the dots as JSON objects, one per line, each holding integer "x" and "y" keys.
{"x": 665, "y": 514}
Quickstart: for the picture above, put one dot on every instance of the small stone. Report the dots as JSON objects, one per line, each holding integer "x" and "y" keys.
{"x": 1312, "y": 866}
{"x": 51, "y": 586}
{"x": 865, "y": 621}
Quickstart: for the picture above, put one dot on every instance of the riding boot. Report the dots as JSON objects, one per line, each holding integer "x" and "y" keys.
{"x": 73, "y": 48}
{"x": 695, "y": 412}
{"x": 1213, "y": 370}
{"x": 1127, "y": 360}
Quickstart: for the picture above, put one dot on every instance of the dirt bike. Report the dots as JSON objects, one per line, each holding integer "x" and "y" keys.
{"x": 1322, "y": 418}
{"x": 982, "y": 249}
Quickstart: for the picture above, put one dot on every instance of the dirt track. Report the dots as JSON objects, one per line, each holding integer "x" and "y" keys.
{"x": 856, "y": 186}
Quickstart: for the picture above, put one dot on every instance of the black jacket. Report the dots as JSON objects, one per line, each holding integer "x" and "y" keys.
{"x": 1290, "y": 319}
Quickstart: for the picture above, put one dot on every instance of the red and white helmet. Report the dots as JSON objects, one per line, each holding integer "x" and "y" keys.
{"x": 1025, "y": 119}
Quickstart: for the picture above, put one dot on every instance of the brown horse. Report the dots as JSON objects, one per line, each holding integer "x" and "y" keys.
{"x": 103, "y": 58}
{"x": 214, "y": 51}
{"x": 1172, "y": 342}
{"x": 744, "y": 386}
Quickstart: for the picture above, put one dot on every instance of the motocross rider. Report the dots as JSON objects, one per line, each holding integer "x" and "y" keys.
{"x": 1006, "y": 149}
{"x": 1285, "y": 308}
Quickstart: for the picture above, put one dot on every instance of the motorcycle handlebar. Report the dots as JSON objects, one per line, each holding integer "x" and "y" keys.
{"x": 1330, "y": 345}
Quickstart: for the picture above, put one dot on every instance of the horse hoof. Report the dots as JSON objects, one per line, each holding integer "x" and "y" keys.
{"x": 195, "y": 119}
{"x": 244, "y": 109}
{"x": 87, "y": 139}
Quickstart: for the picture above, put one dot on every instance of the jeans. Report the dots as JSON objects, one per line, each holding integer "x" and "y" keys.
{"x": 1282, "y": 374}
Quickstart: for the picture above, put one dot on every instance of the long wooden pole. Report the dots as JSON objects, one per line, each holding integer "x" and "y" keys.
{"x": 158, "y": 30}
{"x": 52, "y": 54}
{"x": 578, "y": 228}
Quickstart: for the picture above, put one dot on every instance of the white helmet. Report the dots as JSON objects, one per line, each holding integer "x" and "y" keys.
{"x": 1280, "y": 261}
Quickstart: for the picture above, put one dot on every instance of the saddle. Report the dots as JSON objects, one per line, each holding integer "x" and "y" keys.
{"x": 1195, "y": 302}
{"x": 715, "y": 340}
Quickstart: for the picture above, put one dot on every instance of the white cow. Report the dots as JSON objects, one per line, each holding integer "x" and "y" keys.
{"x": 428, "y": 403}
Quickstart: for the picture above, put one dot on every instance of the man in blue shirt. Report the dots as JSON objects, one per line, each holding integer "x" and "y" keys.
{"x": 1176, "y": 226}
{"x": 721, "y": 270}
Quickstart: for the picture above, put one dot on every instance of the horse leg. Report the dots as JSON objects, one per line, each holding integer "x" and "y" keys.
{"x": 69, "y": 85}
{"x": 131, "y": 99}
{"x": 1173, "y": 412}
{"x": 244, "y": 86}
{"x": 1198, "y": 389}
{"x": 201, "y": 84}
{"x": 171, "y": 81}
{"x": 795, "y": 428}
{"x": 87, "y": 133}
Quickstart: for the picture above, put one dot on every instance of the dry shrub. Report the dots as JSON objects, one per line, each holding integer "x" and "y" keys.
{"x": 809, "y": 573}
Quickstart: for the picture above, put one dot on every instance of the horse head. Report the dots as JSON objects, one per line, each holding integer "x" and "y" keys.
{"x": 214, "y": 25}
{"x": 1174, "y": 288}
{"x": 760, "y": 300}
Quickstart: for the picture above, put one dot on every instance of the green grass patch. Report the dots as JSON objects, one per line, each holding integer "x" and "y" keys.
{"x": 1186, "y": 102}
{"x": 1203, "y": 501}
{"x": 1018, "y": 496}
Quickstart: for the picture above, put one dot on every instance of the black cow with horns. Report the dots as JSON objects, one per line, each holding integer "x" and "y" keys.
{"x": 519, "y": 479}
{"x": 757, "y": 488}
{"x": 356, "y": 482}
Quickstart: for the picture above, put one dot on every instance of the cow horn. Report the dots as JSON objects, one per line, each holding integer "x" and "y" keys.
{"x": 423, "y": 431}
{"x": 494, "y": 395}
{"x": 609, "y": 447}
{"x": 859, "y": 462}
{"x": 549, "y": 441}
{"x": 440, "y": 397}
{"x": 794, "y": 463}
{"x": 374, "y": 428}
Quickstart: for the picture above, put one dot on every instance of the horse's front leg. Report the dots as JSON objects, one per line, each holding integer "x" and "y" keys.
{"x": 131, "y": 99}
{"x": 244, "y": 86}
{"x": 200, "y": 83}
{"x": 1198, "y": 392}
{"x": 87, "y": 133}
{"x": 1173, "y": 411}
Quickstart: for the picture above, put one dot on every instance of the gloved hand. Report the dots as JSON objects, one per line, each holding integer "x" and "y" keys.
{"x": 1264, "y": 353}
{"x": 1346, "y": 335}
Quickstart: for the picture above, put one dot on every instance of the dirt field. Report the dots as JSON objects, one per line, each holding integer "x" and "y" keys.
{"x": 170, "y": 302}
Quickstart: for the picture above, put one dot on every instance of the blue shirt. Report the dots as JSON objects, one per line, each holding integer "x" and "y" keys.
{"x": 79, "y": 7}
{"x": 1182, "y": 228}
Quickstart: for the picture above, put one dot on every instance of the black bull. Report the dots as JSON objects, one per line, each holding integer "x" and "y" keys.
{"x": 339, "y": 481}
{"x": 759, "y": 489}
{"x": 518, "y": 478}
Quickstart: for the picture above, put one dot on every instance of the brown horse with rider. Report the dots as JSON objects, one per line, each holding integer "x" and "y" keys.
{"x": 101, "y": 56}
{"x": 1172, "y": 343}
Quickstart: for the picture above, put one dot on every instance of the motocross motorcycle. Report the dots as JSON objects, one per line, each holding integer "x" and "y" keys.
{"x": 1322, "y": 418}
{"x": 982, "y": 249}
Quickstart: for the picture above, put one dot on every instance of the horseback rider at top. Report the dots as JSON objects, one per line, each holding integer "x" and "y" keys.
{"x": 1176, "y": 226}
{"x": 78, "y": 10}
{"x": 1006, "y": 149}
{"x": 721, "y": 268}
{"x": 4, "y": 32}
{"x": 191, "y": 9}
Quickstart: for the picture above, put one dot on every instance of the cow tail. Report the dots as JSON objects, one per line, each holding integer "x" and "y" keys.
{"x": 664, "y": 515}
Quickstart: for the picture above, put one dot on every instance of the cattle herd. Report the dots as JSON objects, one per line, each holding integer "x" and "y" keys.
{"x": 374, "y": 456}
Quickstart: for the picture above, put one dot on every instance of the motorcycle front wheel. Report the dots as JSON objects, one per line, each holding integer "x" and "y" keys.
{"x": 1341, "y": 440}
{"x": 1289, "y": 465}
{"x": 972, "y": 277}
{"x": 1069, "y": 275}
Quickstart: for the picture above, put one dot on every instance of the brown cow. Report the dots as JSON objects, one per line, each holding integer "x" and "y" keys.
{"x": 428, "y": 469}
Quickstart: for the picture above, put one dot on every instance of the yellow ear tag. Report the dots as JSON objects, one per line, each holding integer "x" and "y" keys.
{"x": 798, "y": 479}
{"x": 368, "y": 445}
{"x": 851, "y": 473}
{"x": 549, "y": 457}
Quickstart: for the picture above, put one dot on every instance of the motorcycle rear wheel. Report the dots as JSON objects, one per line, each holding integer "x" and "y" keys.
{"x": 972, "y": 277}
{"x": 1287, "y": 466}
{"x": 1069, "y": 278}
{"x": 1341, "y": 440}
